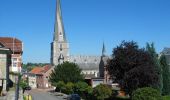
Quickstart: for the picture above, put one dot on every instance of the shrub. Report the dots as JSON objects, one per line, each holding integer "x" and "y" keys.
{"x": 69, "y": 88}
{"x": 59, "y": 86}
{"x": 146, "y": 93}
{"x": 166, "y": 97}
{"x": 102, "y": 92}
{"x": 80, "y": 88}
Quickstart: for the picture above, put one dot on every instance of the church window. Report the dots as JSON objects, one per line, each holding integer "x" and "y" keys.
{"x": 85, "y": 60}
{"x": 60, "y": 47}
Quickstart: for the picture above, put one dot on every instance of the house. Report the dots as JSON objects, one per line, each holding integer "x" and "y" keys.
{"x": 5, "y": 62}
{"x": 16, "y": 46}
{"x": 38, "y": 77}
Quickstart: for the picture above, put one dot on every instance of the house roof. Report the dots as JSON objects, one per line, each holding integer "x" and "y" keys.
{"x": 37, "y": 70}
{"x": 166, "y": 51}
{"x": 46, "y": 68}
{"x": 12, "y": 43}
{"x": 40, "y": 70}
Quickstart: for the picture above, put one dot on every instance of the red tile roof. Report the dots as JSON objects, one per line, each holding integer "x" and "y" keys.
{"x": 37, "y": 70}
{"x": 12, "y": 43}
{"x": 46, "y": 68}
{"x": 40, "y": 70}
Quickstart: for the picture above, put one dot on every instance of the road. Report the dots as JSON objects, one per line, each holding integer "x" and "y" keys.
{"x": 43, "y": 95}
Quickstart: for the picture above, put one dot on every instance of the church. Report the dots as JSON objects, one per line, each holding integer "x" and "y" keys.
{"x": 92, "y": 66}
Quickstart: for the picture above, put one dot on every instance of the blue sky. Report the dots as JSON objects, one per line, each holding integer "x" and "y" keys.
{"x": 87, "y": 24}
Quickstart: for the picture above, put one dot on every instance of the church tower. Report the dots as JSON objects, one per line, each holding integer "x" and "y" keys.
{"x": 103, "y": 61}
{"x": 59, "y": 46}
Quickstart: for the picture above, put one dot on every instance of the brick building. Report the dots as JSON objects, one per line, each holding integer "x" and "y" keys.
{"x": 38, "y": 77}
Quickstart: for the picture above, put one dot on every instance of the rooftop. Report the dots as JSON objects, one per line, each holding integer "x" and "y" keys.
{"x": 12, "y": 43}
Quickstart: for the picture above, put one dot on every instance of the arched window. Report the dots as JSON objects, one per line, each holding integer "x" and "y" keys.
{"x": 60, "y": 47}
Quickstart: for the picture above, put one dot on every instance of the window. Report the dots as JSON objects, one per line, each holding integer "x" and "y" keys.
{"x": 14, "y": 64}
{"x": 60, "y": 46}
{"x": 14, "y": 59}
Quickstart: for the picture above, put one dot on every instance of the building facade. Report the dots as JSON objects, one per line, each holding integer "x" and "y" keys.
{"x": 16, "y": 46}
{"x": 92, "y": 66}
{"x": 38, "y": 77}
{"x": 5, "y": 62}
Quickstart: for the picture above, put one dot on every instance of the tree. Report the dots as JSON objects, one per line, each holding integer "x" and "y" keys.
{"x": 66, "y": 72}
{"x": 165, "y": 75}
{"x": 151, "y": 49}
{"x": 23, "y": 84}
{"x": 132, "y": 67}
{"x": 102, "y": 92}
{"x": 146, "y": 93}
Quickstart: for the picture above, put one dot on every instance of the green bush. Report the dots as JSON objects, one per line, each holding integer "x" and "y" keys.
{"x": 69, "y": 88}
{"x": 166, "y": 97}
{"x": 146, "y": 93}
{"x": 102, "y": 92}
{"x": 59, "y": 86}
{"x": 81, "y": 88}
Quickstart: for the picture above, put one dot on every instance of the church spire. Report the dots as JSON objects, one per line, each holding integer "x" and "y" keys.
{"x": 103, "y": 50}
{"x": 59, "y": 33}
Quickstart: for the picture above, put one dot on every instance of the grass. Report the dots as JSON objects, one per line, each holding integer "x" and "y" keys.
{"x": 166, "y": 97}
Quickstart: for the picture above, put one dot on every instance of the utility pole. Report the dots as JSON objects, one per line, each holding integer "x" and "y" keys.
{"x": 17, "y": 89}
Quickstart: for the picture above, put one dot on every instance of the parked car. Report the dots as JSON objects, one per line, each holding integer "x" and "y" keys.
{"x": 73, "y": 97}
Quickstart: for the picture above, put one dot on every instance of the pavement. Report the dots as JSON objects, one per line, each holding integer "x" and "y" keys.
{"x": 11, "y": 95}
{"x": 42, "y": 94}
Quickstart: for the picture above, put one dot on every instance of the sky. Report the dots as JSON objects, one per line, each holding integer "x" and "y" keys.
{"x": 87, "y": 23}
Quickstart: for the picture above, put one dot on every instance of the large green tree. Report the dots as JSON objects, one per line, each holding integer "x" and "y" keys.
{"x": 132, "y": 67}
{"x": 151, "y": 49}
{"x": 66, "y": 72}
{"x": 165, "y": 75}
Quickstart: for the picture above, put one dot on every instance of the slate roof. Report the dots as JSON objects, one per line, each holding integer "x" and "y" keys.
{"x": 88, "y": 66}
{"x": 86, "y": 62}
{"x": 166, "y": 52}
{"x": 12, "y": 43}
